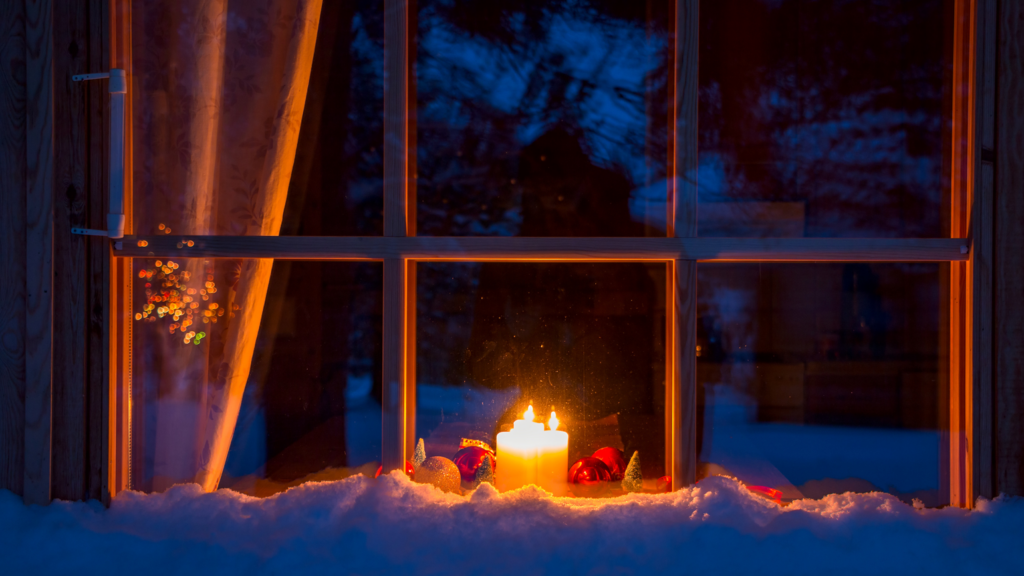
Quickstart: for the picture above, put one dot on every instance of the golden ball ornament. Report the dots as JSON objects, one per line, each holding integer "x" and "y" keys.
{"x": 440, "y": 472}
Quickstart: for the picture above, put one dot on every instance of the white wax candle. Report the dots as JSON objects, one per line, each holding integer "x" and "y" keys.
{"x": 553, "y": 466}
{"x": 517, "y": 459}
{"x": 528, "y": 454}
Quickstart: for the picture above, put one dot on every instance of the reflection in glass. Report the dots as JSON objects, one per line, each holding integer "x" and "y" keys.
{"x": 823, "y": 118}
{"x": 309, "y": 404}
{"x": 822, "y": 378}
{"x": 542, "y": 118}
{"x": 337, "y": 187}
{"x": 585, "y": 339}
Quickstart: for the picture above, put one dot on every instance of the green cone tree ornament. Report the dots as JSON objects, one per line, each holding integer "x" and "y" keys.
{"x": 420, "y": 454}
{"x": 632, "y": 479}
{"x": 484, "y": 473}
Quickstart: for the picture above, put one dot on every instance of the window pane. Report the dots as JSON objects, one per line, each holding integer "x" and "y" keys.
{"x": 337, "y": 188}
{"x": 824, "y": 118}
{"x": 542, "y": 118}
{"x": 584, "y": 339}
{"x": 308, "y": 402}
{"x": 823, "y": 378}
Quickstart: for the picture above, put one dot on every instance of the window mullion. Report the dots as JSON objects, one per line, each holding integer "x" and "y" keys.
{"x": 681, "y": 295}
{"x": 396, "y": 294}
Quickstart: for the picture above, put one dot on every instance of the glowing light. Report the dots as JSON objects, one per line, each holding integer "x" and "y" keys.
{"x": 529, "y": 454}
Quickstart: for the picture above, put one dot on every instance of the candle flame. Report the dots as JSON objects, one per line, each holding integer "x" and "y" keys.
{"x": 553, "y": 422}
{"x": 528, "y": 415}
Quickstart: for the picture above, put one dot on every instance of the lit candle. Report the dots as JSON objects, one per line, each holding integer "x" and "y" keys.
{"x": 552, "y": 471}
{"x": 531, "y": 455}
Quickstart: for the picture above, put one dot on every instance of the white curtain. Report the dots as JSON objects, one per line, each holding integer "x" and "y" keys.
{"x": 218, "y": 90}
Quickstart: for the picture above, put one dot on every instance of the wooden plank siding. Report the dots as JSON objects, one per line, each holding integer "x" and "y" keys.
{"x": 70, "y": 262}
{"x": 1008, "y": 301}
{"x": 12, "y": 241}
{"x": 97, "y": 301}
{"x": 982, "y": 214}
{"x": 39, "y": 249}
{"x": 54, "y": 440}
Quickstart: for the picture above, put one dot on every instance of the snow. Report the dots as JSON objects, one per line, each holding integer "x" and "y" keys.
{"x": 392, "y": 525}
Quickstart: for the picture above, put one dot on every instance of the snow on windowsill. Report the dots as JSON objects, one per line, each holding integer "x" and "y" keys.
{"x": 392, "y": 525}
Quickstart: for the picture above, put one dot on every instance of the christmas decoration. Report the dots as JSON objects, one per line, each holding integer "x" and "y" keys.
{"x": 769, "y": 493}
{"x": 665, "y": 484}
{"x": 440, "y": 472}
{"x": 484, "y": 473}
{"x": 614, "y": 460}
{"x": 409, "y": 471}
{"x": 633, "y": 480}
{"x": 589, "y": 477}
{"x": 469, "y": 460}
{"x": 420, "y": 454}
{"x": 471, "y": 442}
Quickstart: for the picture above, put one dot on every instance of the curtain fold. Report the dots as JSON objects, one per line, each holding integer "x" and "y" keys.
{"x": 219, "y": 88}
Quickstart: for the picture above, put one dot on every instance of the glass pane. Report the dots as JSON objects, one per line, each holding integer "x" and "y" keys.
{"x": 824, "y": 118}
{"x": 586, "y": 340}
{"x": 219, "y": 131}
{"x": 824, "y": 378}
{"x": 262, "y": 393}
{"x": 337, "y": 187}
{"x": 542, "y": 118}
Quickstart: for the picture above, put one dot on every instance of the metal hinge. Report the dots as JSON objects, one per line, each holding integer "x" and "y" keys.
{"x": 118, "y": 87}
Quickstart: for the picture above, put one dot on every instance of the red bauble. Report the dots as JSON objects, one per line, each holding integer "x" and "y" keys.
{"x": 665, "y": 484}
{"x": 468, "y": 459}
{"x": 409, "y": 470}
{"x": 614, "y": 460}
{"x": 589, "y": 477}
{"x": 769, "y": 493}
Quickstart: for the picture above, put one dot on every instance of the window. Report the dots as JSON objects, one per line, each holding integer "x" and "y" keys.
{"x": 646, "y": 175}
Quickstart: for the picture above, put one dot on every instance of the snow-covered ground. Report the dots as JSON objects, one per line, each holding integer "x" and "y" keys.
{"x": 391, "y": 525}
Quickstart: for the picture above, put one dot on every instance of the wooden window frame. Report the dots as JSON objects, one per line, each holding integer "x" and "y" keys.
{"x": 968, "y": 250}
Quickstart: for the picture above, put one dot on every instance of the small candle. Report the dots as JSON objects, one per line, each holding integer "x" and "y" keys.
{"x": 531, "y": 455}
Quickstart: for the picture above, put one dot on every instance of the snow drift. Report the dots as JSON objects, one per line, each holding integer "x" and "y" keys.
{"x": 391, "y": 525}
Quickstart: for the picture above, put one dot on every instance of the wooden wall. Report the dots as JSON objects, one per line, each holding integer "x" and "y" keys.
{"x": 12, "y": 245}
{"x": 1008, "y": 354}
{"x": 51, "y": 283}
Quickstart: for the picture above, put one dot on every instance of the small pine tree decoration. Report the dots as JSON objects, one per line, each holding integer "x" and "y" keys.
{"x": 632, "y": 480}
{"x": 420, "y": 454}
{"x": 484, "y": 473}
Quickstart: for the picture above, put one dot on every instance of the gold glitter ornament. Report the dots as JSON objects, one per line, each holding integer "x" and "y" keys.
{"x": 440, "y": 472}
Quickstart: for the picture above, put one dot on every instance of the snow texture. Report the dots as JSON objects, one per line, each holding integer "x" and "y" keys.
{"x": 391, "y": 525}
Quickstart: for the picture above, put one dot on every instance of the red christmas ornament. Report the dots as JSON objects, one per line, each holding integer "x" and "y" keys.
{"x": 468, "y": 459}
{"x": 665, "y": 484}
{"x": 589, "y": 477}
{"x": 769, "y": 493}
{"x": 409, "y": 470}
{"x": 614, "y": 460}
